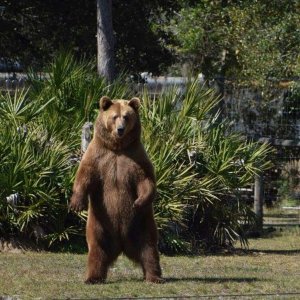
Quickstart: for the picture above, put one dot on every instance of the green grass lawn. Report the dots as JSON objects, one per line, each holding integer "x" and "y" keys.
{"x": 271, "y": 266}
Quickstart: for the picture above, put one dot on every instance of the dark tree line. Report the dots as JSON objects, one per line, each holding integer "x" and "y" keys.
{"x": 234, "y": 38}
{"x": 33, "y": 31}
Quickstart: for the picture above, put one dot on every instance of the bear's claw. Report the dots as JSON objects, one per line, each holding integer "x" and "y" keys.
{"x": 77, "y": 206}
{"x": 155, "y": 279}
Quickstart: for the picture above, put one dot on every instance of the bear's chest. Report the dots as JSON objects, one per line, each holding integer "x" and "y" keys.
{"x": 119, "y": 171}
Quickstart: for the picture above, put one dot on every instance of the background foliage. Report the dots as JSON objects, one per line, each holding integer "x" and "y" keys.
{"x": 200, "y": 165}
{"x": 246, "y": 39}
{"x": 233, "y": 38}
{"x": 40, "y": 147}
{"x": 33, "y": 31}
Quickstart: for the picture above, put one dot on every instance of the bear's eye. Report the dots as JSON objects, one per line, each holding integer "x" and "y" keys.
{"x": 126, "y": 118}
{"x": 115, "y": 117}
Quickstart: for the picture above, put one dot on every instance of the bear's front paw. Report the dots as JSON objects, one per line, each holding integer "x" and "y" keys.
{"x": 77, "y": 204}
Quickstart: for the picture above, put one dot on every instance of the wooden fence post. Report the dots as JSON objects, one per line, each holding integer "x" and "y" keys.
{"x": 86, "y": 135}
{"x": 259, "y": 200}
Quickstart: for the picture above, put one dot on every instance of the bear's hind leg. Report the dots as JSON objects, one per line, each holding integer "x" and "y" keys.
{"x": 150, "y": 264}
{"x": 98, "y": 263}
{"x": 148, "y": 258}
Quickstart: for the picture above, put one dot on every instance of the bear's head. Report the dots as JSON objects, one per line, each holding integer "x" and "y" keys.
{"x": 118, "y": 122}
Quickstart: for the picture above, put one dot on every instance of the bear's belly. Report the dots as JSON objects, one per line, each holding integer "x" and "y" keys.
{"x": 120, "y": 192}
{"x": 118, "y": 202}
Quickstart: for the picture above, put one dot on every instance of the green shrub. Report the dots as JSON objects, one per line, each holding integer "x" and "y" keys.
{"x": 198, "y": 194}
{"x": 200, "y": 166}
{"x": 40, "y": 135}
{"x": 35, "y": 166}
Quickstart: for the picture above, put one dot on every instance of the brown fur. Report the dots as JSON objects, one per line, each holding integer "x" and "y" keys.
{"x": 117, "y": 177}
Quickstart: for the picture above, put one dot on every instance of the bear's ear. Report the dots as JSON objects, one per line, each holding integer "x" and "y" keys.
{"x": 105, "y": 102}
{"x": 135, "y": 103}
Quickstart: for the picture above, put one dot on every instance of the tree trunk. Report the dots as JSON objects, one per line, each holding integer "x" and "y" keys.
{"x": 259, "y": 200}
{"x": 105, "y": 40}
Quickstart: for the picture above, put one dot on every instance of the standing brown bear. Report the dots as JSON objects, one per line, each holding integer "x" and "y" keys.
{"x": 115, "y": 180}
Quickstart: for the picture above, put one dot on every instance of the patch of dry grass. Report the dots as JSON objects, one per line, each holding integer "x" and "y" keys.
{"x": 270, "y": 267}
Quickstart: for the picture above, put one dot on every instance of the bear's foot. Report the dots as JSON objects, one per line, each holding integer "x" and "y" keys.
{"x": 94, "y": 280}
{"x": 155, "y": 279}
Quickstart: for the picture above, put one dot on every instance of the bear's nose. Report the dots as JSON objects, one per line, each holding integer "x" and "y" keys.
{"x": 120, "y": 131}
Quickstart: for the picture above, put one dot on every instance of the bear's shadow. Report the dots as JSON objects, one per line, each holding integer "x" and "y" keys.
{"x": 212, "y": 279}
{"x": 194, "y": 279}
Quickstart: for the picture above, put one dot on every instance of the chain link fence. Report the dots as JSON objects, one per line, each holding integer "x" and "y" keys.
{"x": 272, "y": 114}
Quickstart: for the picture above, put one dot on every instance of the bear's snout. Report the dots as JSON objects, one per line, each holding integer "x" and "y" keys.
{"x": 120, "y": 130}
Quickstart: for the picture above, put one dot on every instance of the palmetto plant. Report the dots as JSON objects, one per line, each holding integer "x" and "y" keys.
{"x": 34, "y": 165}
{"x": 200, "y": 168}
{"x": 228, "y": 163}
{"x": 40, "y": 133}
